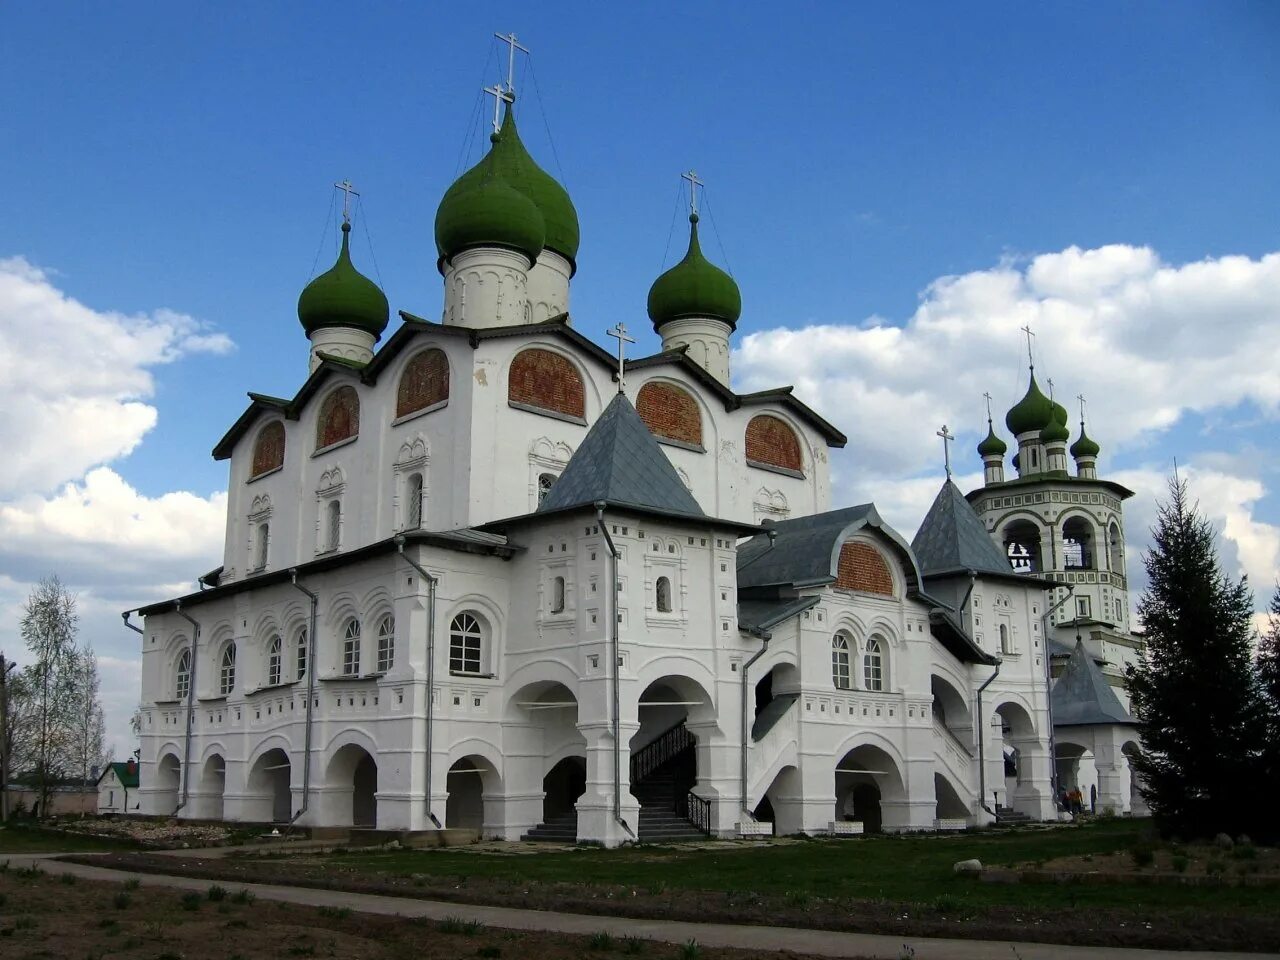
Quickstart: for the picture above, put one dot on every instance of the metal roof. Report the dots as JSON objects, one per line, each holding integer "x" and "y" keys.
{"x": 952, "y": 538}
{"x": 1083, "y": 697}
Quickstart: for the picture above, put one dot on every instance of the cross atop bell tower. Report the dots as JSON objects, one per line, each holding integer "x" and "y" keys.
{"x": 694, "y": 184}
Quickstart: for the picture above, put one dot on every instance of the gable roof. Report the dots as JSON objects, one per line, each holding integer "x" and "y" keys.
{"x": 122, "y": 773}
{"x": 1083, "y": 697}
{"x": 953, "y": 540}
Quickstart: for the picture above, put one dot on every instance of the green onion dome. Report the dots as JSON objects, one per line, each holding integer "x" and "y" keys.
{"x": 509, "y": 160}
{"x": 992, "y": 446}
{"x": 1033, "y": 412}
{"x": 1059, "y": 412}
{"x": 343, "y": 297}
{"x": 1017, "y": 461}
{"x": 1055, "y": 432}
{"x": 489, "y": 212}
{"x": 1084, "y": 447}
{"x": 694, "y": 287}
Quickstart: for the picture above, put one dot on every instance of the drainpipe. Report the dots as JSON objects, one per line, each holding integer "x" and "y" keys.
{"x": 982, "y": 740}
{"x": 311, "y": 697}
{"x": 615, "y": 713}
{"x": 1048, "y": 689}
{"x": 191, "y": 713}
{"x": 432, "y": 584}
{"x": 746, "y": 667}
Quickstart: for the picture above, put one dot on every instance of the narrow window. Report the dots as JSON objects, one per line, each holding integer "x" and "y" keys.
{"x": 260, "y": 559}
{"x": 413, "y": 501}
{"x": 351, "y": 649}
{"x": 557, "y": 595}
{"x": 545, "y": 482}
{"x": 227, "y": 674}
{"x": 465, "y": 639}
{"x": 1005, "y": 645}
{"x": 333, "y": 524}
{"x": 1083, "y": 607}
{"x": 840, "y": 662}
{"x": 302, "y": 654}
{"x": 386, "y": 644}
{"x": 183, "y": 686}
{"x": 873, "y": 665}
{"x": 663, "y": 591}
{"x": 273, "y": 661}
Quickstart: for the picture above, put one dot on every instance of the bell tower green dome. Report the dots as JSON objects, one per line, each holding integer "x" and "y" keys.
{"x": 1055, "y": 432}
{"x": 1085, "y": 446}
{"x": 343, "y": 297}
{"x": 1033, "y": 412}
{"x": 508, "y": 161}
{"x": 694, "y": 287}
{"x": 992, "y": 446}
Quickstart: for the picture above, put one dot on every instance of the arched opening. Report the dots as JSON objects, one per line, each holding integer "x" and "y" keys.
{"x": 1077, "y": 544}
{"x": 781, "y": 803}
{"x": 665, "y": 759}
{"x": 1017, "y": 734}
{"x": 210, "y": 789}
{"x": 662, "y": 594}
{"x": 269, "y": 798}
{"x": 951, "y": 716}
{"x": 465, "y": 783}
{"x": 351, "y": 785}
{"x": 168, "y": 781}
{"x": 776, "y": 691}
{"x": 1115, "y": 543}
{"x": 866, "y": 781}
{"x": 949, "y": 806}
{"x": 542, "y": 725}
{"x": 339, "y": 417}
{"x": 1137, "y": 806}
{"x": 268, "y": 449}
{"x": 1022, "y": 547}
{"x": 1076, "y": 770}
{"x": 561, "y": 788}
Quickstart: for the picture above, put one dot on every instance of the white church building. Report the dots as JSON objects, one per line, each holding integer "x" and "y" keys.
{"x": 483, "y": 574}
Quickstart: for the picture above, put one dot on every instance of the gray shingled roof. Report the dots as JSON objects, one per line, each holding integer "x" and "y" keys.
{"x": 621, "y": 464}
{"x": 805, "y": 551}
{"x": 758, "y": 616}
{"x": 953, "y": 539}
{"x": 1082, "y": 696}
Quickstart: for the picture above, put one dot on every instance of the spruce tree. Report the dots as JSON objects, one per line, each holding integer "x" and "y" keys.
{"x": 1269, "y": 676}
{"x": 1194, "y": 692}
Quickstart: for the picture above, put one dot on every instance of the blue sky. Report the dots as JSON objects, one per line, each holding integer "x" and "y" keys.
{"x": 160, "y": 157}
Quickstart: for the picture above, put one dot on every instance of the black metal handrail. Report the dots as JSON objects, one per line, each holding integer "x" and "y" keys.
{"x": 657, "y": 752}
{"x": 696, "y": 810}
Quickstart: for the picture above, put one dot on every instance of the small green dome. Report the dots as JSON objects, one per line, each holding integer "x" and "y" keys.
{"x": 1033, "y": 412}
{"x": 1055, "y": 432}
{"x": 1084, "y": 447}
{"x": 509, "y": 160}
{"x": 343, "y": 297}
{"x": 992, "y": 446}
{"x": 489, "y": 212}
{"x": 694, "y": 287}
{"x": 1017, "y": 461}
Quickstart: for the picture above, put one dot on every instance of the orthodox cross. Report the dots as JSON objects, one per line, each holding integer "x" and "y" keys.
{"x": 1030, "y": 359}
{"x": 694, "y": 184}
{"x": 348, "y": 191}
{"x": 1050, "y": 382}
{"x": 620, "y": 334}
{"x": 1080, "y": 397}
{"x": 947, "y": 436}
{"x": 987, "y": 397}
{"x": 500, "y": 96}
{"x": 512, "y": 47}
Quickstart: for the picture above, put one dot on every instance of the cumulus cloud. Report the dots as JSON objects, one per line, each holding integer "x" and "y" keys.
{"x": 75, "y": 380}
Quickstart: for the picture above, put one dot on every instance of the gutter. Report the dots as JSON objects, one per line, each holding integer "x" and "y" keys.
{"x": 311, "y": 697}
{"x": 615, "y": 713}
{"x": 1048, "y": 688}
{"x": 982, "y": 741}
{"x": 191, "y": 713}
{"x": 765, "y": 637}
{"x": 432, "y": 584}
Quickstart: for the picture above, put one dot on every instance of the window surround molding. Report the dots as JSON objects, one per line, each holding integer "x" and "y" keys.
{"x": 659, "y": 563}
{"x": 331, "y": 488}
{"x": 546, "y": 456}
{"x": 414, "y": 457}
{"x": 429, "y": 408}
{"x": 345, "y": 441}
{"x": 561, "y": 567}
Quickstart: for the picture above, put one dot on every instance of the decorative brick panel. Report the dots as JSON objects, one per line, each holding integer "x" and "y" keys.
{"x": 547, "y": 381}
{"x": 339, "y": 417}
{"x": 772, "y": 441}
{"x": 668, "y": 411}
{"x": 425, "y": 382}
{"x": 268, "y": 449}
{"x": 863, "y": 567}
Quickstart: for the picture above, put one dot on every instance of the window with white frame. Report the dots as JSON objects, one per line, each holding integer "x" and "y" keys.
{"x": 873, "y": 665}
{"x": 840, "y": 675}
{"x": 1084, "y": 608}
{"x": 557, "y": 594}
{"x": 351, "y": 649}
{"x": 260, "y": 546}
{"x": 227, "y": 670}
{"x": 301, "y": 654}
{"x": 545, "y": 482}
{"x": 273, "y": 661}
{"x": 413, "y": 501}
{"x": 662, "y": 594}
{"x": 1006, "y": 641}
{"x": 182, "y": 686}
{"x": 386, "y": 644}
{"x": 332, "y": 524}
{"x": 466, "y": 644}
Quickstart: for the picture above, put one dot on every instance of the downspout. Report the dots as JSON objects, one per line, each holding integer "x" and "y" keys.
{"x": 140, "y": 632}
{"x": 615, "y": 712}
{"x": 746, "y": 667}
{"x": 982, "y": 741}
{"x": 191, "y": 700}
{"x": 311, "y": 697}
{"x": 1048, "y": 689}
{"x": 432, "y": 584}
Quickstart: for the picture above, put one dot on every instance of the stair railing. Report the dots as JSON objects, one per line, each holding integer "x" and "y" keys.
{"x": 664, "y": 747}
{"x": 696, "y": 810}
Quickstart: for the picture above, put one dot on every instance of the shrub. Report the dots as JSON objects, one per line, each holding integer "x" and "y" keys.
{"x": 1143, "y": 854}
{"x": 337, "y": 913}
{"x": 217, "y": 893}
{"x": 242, "y": 896}
{"x": 1180, "y": 862}
{"x": 190, "y": 900}
{"x": 121, "y": 900}
{"x": 67, "y": 879}
{"x": 689, "y": 950}
{"x": 632, "y": 945}
{"x": 601, "y": 941}
{"x": 459, "y": 925}
{"x": 133, "y": 883}
{"x": 1245, "y": 851}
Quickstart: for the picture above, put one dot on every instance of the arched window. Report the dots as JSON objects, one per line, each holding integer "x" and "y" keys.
{"x": 662, "y": 594}
{"x": 227, "y": 673}
{"x": 413, "y": 501}
{"x": 268, "y": 449}
{"x": 1077, "y": 544}
{"x": 386, "y": 644}
{"x": 351, "y": 649}
{"x": 545, "y": 482}
{"x": 466, "y": 639}
{"x": 863, "y": 567}
{"x": 183, "y": 685}
{"x": 840, "y": 675}
{"x": 1006, "y": 646}
{"x": 273, "y": 661}
{"x": 772, "y": 443}
{"x": 670, "y": 412}
{"x": 339, "y": 417}
{"x": 557, "y": 595}
{"x": 424, "y": 383}
{"x": 332, "y": 524}
{"x": 260, "y": 553}
{"x": 873, "y": 665}
{"x": 540, "y": 380}
{"x": 301, "y": 655}
{"x": 1116, "y": 544}
{"x": 1022, "y": 546}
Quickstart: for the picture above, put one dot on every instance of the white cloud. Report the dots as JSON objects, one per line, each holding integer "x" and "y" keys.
{"x": 75, "y": 379}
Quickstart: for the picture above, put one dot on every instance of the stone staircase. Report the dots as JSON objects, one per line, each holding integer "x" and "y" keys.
{"x": 660, "y": 795}
{"x": 1009, "y": 817}
{"x": 559, "y": 829}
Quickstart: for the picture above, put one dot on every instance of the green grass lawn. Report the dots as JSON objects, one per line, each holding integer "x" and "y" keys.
{"x": 25, "y": 838}
{"x": 903, "y": 868}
